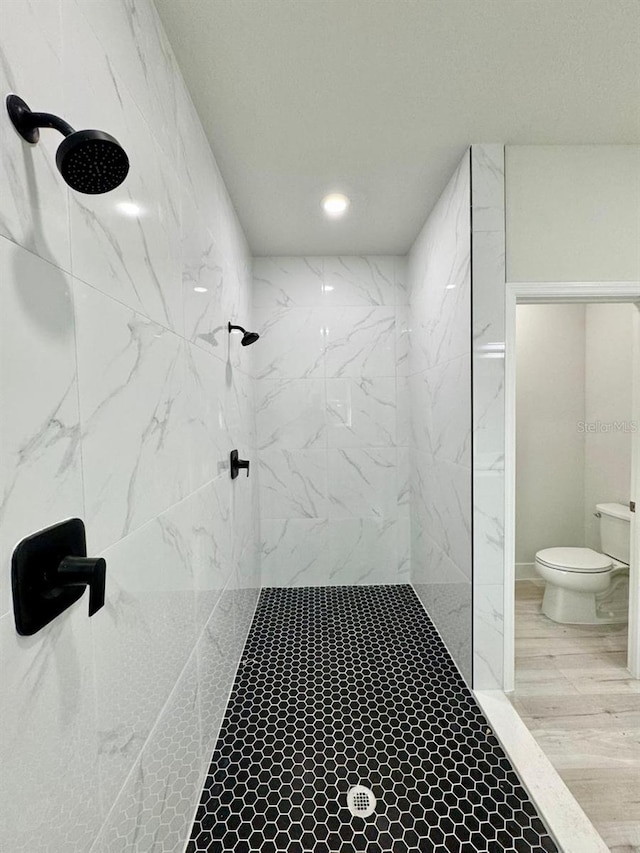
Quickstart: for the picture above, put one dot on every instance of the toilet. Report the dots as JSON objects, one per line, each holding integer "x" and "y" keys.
{"x": 579, "y": 582}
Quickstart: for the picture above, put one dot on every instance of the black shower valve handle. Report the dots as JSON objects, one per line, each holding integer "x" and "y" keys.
{"x": 235, "y": 464}
{"x": 81, "y": 572}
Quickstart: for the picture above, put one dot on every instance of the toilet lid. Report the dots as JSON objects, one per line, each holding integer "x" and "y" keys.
{"x": 574, "y": 559}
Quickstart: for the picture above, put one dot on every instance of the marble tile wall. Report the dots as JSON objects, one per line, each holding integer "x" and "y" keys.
{"x": 488, "y": 298}
{"x": 120, "y": 398}
{"x": 439, "y": 389}
{"x": 332, "y": 419}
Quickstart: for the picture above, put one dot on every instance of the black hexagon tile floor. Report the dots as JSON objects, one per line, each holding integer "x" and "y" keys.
{"x": 347, "y": 686}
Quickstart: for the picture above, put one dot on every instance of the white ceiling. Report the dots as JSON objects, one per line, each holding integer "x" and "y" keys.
{"x": 380, "y": 98}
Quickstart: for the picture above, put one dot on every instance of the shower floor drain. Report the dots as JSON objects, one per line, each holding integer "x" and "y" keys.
{"x": 360, "y": 801}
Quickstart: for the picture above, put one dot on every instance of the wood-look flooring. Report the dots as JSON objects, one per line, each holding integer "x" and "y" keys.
{"x": 576, "y": 696}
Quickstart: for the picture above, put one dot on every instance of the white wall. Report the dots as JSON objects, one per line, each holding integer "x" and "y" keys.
{"x": 550, "y": 446}
{"x": 608, "y": 406}
{"x": 573, "y": 213}
{"x": 332, "y": 419}
{"x": 119, "y": 402}
{"x": 440, "y": 395}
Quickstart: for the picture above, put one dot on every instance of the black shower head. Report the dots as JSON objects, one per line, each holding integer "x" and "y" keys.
{"x": 90, "y": 161}
{"x": 247, "y": 337}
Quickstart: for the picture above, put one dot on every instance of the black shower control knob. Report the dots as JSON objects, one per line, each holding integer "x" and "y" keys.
{"x": 237, "y": 464}
{"x": 50, "y": 571}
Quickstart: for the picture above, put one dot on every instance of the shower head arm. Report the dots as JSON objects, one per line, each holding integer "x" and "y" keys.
{"x": 233, "y": 328}
{"x": 26, "y": 122}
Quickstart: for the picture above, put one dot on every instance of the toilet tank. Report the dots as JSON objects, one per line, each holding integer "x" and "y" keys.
{"x": 615, "y": 531}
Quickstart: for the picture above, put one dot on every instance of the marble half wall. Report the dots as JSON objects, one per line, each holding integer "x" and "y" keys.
{"x": 121, "y": 396}
{"x": 332, "y": 419}
{"x": 488, "y": 311}
{"x": 440, "y": 407}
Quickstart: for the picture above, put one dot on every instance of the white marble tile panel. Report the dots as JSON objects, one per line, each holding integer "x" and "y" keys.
{"x": 133, "y": 39}
{"x": 401, "y": 277}
{"x": 403, "y": 411}
{"x": 361, "y": 342}
{"x": 293, "y": 483}
{"x": 290, "y": 414}
{"x": 362, "y": 483}
{"x": 217, "y": 655}
{"x": 131, "y": 381}
{"x": 363, "y": 551}
{"x": 487, "y": 187}
{"x": 142, "y": 637}
{"x": 292, "y": 342}
{"x": 125, "y": 242}
{"x": 295, "y": 552}
{"x": 403, "y": 549}
{"x": 356, "y": 281}
{"x": 361, "y": 412}
{"x": 449, "y": 398}
{"x": 488, "y": 630}
{"x": 403, "y": 480}
{"x": 49, "y": 783}
{"x": 34, "y": 209}
{"x": 488, "y": 290}
{"x": 288, "y": 282}
{"x": 40, "y": 466}
{"x": 219, "y": 416}
{"x": 488, "y": 498}
{"x": 403, "y": 339}
{"x": 154, "y": 810}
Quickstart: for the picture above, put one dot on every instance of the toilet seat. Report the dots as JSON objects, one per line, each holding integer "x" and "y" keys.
{"x": 581, "y": 560}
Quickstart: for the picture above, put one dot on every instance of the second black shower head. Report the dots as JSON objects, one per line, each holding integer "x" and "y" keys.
{"x": 248, "y": 338}
{"x": 90, "y": 161}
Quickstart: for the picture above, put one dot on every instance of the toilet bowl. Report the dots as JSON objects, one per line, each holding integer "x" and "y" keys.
{"x": 578, "y": 581}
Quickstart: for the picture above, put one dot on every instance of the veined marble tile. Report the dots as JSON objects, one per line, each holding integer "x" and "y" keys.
{"x": 293, "y": 483}
{"x": 448, "y": 395}
{"x": 361, "y": 412}
{"x": 487, "y": 195}
{"x": 49, "y": 784}
{"x": 217, "y": 654}
{"x": 288, "y": 282}
{"x": 360, "y": 342}
{"x": 142, "y": 637}
{"x": 125, "y": 242}
{"x": 362, "y": 483}
{"x": 131, "y": 400}
{"x": 488, "y": 288}
{"x": 204, "y": 521}
{"x": 133, "y": 39}
{"x": 219, "y": 412}
{"x": 401, "y": 273}
{"x": 39, "y": 421}
{"x": 363, "y": 551}
{"x": 403, "y": 340}
{"x": 155, "y": 807}
{"x": 290, "y": 414}
{"x": 403, "y": 549}
{"x": 403, "y": 480}
{"x": 355, "y": 281}
{"x": 292, "y": 342}
{"x": 34, "y": 211}
{"x": 403, "y": 411}
{"x": 295, "y": 552}
{"x": 488, "y": 498}
{"x": 488, "y": 634}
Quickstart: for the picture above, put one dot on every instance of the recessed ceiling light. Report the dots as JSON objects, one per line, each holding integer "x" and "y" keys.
{"x": 201, "y": 289}
{"x": 335, "y": 204}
